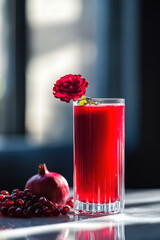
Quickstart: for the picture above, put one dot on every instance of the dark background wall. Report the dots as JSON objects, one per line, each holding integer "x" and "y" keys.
{"x": 142, "y": 166}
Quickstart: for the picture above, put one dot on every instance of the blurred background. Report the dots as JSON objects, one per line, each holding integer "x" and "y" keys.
{"x": 115, "y": 44}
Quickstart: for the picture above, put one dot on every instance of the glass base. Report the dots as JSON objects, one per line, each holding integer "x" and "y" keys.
{"x": 98, "y": 208}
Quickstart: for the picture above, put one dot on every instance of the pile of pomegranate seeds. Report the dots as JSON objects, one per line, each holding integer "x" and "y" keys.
{"x": 25, "y": 204}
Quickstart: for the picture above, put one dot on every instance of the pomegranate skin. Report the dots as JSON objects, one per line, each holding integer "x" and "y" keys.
{"x": 51, "y": 185}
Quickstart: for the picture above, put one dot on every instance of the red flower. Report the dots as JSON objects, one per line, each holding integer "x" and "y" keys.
{"x": 70, "y": 87}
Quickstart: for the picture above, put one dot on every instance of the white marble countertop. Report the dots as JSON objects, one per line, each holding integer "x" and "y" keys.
{"x": 140, "y": 220}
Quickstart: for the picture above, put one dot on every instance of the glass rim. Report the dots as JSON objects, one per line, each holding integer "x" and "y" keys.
{"x": 105, "y": 100}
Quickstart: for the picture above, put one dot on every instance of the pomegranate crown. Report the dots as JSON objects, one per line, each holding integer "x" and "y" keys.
{"x": 42, "y": 169}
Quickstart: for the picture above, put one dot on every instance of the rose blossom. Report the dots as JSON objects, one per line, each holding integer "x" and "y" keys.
{"x": 70, "y": 87}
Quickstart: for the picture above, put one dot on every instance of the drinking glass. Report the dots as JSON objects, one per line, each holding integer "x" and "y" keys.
{"x": 99, "y": 142}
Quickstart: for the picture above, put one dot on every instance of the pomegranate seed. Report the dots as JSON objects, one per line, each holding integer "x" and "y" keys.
{"x": 56, "y": 205}
{"x": 49, "y": 203}
{"x": 19, "y": 202}
{"x": 4, "y": 210}
{"x": 18, "y": 212}
{"x": 14, "y": 198}
{"x": 25, "y": 198}
{"x": 11, "y": 211}
{"x": 2, "y": 198}
{"x": 55, "y": 212}
{"x": 15, "y": 191}
{"x": 70, "y": 202}
{"x": 52, "y": 207}
{"x": 59, "y": 207}
{"x": 46, "y": 212}
{"x": 38, "y": 205}
{"x": 20, "y": 194}
{"x": 0, "y": 204}
{"x": 29, "y": 194}
{"x": 43, "y": 200}
{"x": 8, "y": 197}
{"x": 38, "y": 213}
{"x": 27, "y": 213}
{"x": 65, "y": 210}
{"x": 45, "y": 208}
{"x": 28, "y": 204}
{"x": 13, "y": 195}
{"x": 4, "y": 192}
{"x": 8, "y": 203}
{"x": 26, "y": 191}
{"x": 34, "y": 198}
{"x": 31, "y": 209}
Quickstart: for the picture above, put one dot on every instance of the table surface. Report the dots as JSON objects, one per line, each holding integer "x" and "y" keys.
{"x": 140, "y": 220}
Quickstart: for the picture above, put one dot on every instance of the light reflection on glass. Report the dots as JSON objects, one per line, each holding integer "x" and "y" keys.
{"x": 112, "y": 231}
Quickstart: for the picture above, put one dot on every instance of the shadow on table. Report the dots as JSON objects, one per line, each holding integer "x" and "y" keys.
{"x": 7, "y": 223}
{"x": 59, "y": 235}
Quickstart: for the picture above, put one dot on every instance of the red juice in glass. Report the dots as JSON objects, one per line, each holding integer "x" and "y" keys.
{"x": 99, "y": 141}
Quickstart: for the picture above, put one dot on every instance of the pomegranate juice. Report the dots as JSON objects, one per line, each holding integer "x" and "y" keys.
{"x": 99, "y": 153}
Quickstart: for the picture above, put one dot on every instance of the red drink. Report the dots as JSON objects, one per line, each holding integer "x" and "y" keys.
{"x": 99, "y": 156}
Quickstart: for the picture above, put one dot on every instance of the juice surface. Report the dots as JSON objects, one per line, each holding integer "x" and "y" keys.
{"x": 98, "y": 152}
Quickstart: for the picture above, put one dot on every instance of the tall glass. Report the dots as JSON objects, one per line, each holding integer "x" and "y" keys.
{"x": 99, "y": 142}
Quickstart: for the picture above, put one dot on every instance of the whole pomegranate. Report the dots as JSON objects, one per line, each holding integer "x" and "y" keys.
{"x": 49, "y": 184}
